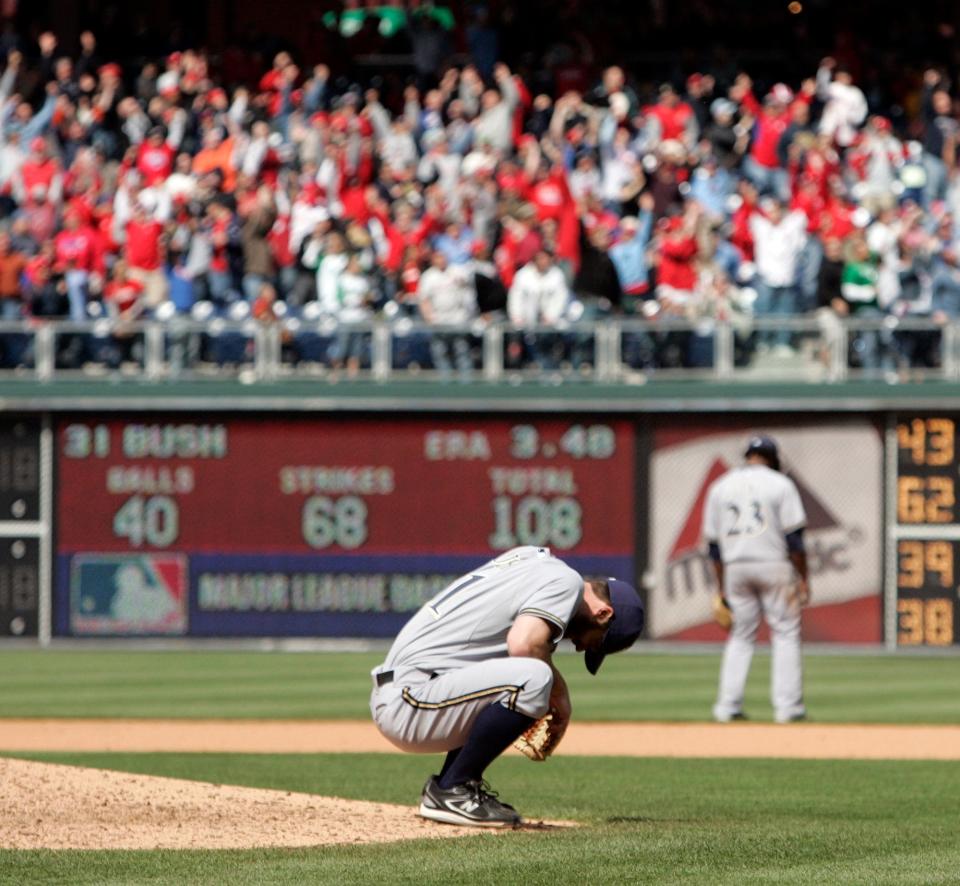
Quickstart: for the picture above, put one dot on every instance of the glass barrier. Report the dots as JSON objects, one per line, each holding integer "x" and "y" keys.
{"x": 622, "y": 350}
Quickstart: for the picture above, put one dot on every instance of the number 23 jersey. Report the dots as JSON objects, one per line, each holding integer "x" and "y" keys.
{"x": 749, "y": 511}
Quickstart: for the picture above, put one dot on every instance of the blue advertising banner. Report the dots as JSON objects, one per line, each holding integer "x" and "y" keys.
{"x": 261, "y": 595}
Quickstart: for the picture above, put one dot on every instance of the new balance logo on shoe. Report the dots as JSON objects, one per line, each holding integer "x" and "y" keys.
{"x": 472, "y": 804}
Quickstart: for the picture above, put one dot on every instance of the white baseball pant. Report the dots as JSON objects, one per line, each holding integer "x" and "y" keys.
{"x": 425, "y": 714}
{"x": 753, "y": 589}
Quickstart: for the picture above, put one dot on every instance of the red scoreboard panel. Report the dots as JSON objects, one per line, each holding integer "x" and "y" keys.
{"x": 322, "y": 525}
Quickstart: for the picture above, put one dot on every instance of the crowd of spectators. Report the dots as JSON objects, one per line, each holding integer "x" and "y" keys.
{"x": 469, "y": 199}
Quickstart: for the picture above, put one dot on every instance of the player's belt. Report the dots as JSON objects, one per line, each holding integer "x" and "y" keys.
{"x": 383, "y": 678}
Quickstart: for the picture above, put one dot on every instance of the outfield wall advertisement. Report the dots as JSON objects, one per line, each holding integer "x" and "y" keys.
{"x": 321, "y": 526}
{"x": 325, "y": 526}
{"x": 838, "y": 471}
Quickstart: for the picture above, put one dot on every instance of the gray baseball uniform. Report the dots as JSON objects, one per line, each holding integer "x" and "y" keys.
{"x": 748, "y": 513}
{"x": 450, "y": 661}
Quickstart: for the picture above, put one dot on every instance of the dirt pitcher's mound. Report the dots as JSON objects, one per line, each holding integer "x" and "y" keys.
{"x": 49, "y": 806}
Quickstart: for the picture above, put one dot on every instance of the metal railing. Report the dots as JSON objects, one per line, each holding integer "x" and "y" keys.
{"x": 614, "y": 350}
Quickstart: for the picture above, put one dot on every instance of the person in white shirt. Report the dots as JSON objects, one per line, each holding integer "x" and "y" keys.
{"x": 883, "y": 240}
{"x": 355, "y": 297}
{"x": 753, "y": 524}
{"x": 446, "y": 298}
{"x": 778, "y": 242}
{"x": 539, "y": 297}
{"x": 845, "y": 106}
{"x": 883, "y": 152}
{"x": 494, "y": 123}
{"x": 585, "y": 179}
{"x": 329, "y": 257}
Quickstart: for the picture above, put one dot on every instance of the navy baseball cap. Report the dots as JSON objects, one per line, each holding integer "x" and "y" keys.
{"x": 765, "y": 446}
{"x": 627, "y": 624}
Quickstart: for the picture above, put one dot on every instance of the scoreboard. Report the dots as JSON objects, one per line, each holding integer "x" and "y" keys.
{"x": 926, "y": 533}
{"x": 147, "y": 524}
{"x": 21, "y": 531}
{"x": 325, "y": 525}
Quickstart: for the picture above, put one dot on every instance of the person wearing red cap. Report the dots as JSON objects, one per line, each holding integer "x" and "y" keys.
{"x": 143, "y": 251}
{"x": 699, "y": 97}
{"x": 675, "y": 251}
{"x": 762, "y": 164}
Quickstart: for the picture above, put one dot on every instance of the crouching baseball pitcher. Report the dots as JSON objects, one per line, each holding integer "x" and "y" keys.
{"x": 472, "y": 672}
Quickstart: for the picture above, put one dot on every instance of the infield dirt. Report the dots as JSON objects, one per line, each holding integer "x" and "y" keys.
{"x": 49, "y": 806}
{"x": 796, "y": 740}
{"x": 44, "y": 805}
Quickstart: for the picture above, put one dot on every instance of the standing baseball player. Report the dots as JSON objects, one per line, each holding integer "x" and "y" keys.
{"x": 473, "y": 670}
{"x": 753, "y": 524}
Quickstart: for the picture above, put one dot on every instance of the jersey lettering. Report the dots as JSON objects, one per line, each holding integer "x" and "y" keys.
{"x": 447, "y": 594}
{"x": 747, "y": 521}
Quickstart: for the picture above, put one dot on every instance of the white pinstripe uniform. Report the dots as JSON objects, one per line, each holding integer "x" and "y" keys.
{"x": 450, "y": 660}
{"x": 748, "y": 513}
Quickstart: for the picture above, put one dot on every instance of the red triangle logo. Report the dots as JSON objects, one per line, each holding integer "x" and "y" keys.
{"x": 689, "y": 539}
{"x": 818, "y": 514}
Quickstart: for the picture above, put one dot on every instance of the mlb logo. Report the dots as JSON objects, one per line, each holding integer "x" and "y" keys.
{"x": 116, "y": 594}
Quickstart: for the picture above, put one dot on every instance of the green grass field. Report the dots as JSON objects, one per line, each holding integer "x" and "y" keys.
{"x": 859, "y": 689}
{"x": 641, "y": 820}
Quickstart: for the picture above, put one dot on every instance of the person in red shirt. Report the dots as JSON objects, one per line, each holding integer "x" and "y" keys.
{"x": 676, "y": 253}
{"x": 283, "y": 258}
{"x": 216, "y": 227}
{"x": 518, "y": 245}
{"x": 740, "y": 235}
{"x": 143, "y": 252}
{"x": 77, "y": 257}
{"x": 155, "y": 158}
{"x": 762, "y": 164}
{"x": 40, "y": 178}
{"x": 122, "y": 294}
{"x": 676, "y": 118}
{"x": 124, "y": 299}
{"x": 404, "y": 232}
{"x": 272, "y": 84}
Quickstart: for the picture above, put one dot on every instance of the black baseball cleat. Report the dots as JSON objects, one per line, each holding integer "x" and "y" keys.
{"x": 472, "y": 804}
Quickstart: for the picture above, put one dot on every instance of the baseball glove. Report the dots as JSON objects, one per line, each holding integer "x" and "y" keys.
{"x": 721, "y": 611}
{"x": 541, "y": 739}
